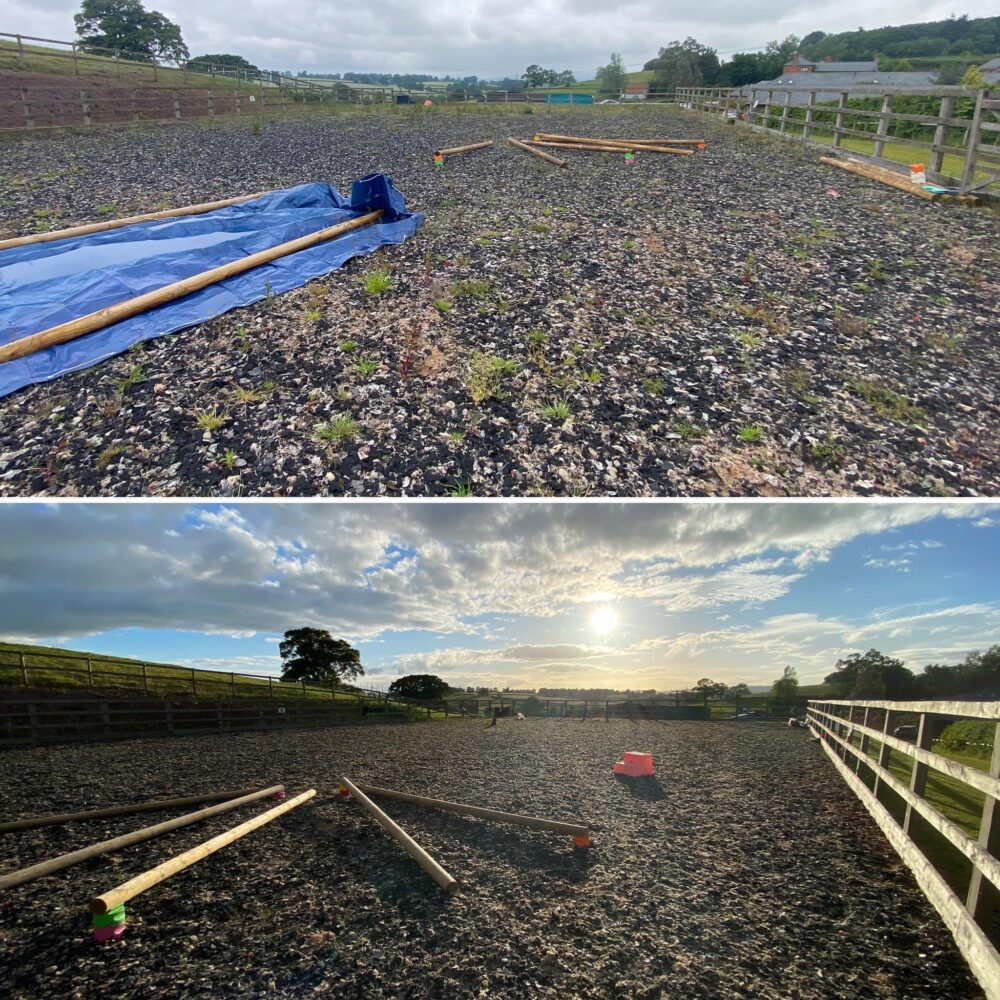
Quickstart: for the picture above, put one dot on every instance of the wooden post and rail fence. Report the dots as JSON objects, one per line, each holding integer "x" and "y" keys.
{"x": 834, "y": 114}
{"x": 859, "y": 738}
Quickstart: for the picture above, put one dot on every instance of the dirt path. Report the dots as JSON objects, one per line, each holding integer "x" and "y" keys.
{"x": 746, "y": 869}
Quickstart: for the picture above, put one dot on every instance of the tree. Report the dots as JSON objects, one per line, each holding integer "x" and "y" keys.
{"x": 221, "y": 59}
{"x": 565, "y": 78}
{"x": 737, "y": 692}
{"x": 684, "y": 64}
{"x": 422, "y": 686}
{"x": 537, "y": 76}
{"x": 785, "y": 688}
{"x": 312, "y": 654}
{"x": 872, "y": 675}
{"x": 611, "y": 78}
{"x": 127, "y": 25}
{"x": 973, "y": 79}
{"x": 709, "y": 689}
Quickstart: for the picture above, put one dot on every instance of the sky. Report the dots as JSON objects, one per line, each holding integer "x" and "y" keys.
{"x": 486, "y": 39}
{"x": 520, "y": 595}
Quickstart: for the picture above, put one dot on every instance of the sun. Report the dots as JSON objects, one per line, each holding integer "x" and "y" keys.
{"x": 603, "y": 619}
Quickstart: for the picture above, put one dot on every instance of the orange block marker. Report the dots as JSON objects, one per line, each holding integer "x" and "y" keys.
{"x": 634, "y": 765}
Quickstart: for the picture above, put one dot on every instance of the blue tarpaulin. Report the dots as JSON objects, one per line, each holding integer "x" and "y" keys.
{"x": 45, "y": 284}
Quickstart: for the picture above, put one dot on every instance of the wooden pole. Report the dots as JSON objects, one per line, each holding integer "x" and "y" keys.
{"x": 874, "y": 173}
{"x": 126, "y": 840}
{"x": 536, "y": 152}
{"x": 177, "y": 289}
{"x": 135, "y": 807}
{"x": 628, "y": 143}
{"x": 99, "y": 227}
{"x": 127, "y": 890}
{"x": 464, "y": 149}
{"x": 429, "y": 865}
{"x": 572, "y": 829}
{"x": 599, "y": 147}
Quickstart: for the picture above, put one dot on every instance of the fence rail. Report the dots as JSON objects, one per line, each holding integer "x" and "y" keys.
{"x": 34, "y": 722}
{"x": 807, "y": 113}
{"x": 858, "y": 736}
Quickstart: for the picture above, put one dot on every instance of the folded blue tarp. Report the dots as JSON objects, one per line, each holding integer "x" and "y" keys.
{"x": 45, "y": 284}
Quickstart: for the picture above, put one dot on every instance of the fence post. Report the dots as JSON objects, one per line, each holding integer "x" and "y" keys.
{"x": 20, "y": 52}
{"x": 90, "y": 672}
{"x": 983, "y": 900}
{"x": 784, "y": 111}
{"x": 29, "y": 120}
{"x": 947, "y": 110}
{"x": 270, "y": 687}
{"x": 863, "y": 748}
{"x": 154, "y": 69}
{"x": 918, "y": 776}
{"x": 118, "y": 66}
{"x": 810, "y": 112}
{"x": 145, "y": 679}
{"x": 883, "y": 126}
{"x": 232, "y": 676}
{"x": 236, "y": 96}
{"x": 838, "y": 127}
{"x": 211, "y": 104}
{"x": 24, "y": 668}
{"x": 974, "y": 133}
{"x": 194, "y": 681}
{"x": 105, "y": 718}
{"x": 884, "y": 750}
{"x": 177, "y": 104}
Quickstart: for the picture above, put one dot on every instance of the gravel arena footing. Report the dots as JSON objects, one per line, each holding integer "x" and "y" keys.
{"x": 745, "y": 868}
{"x": 744, "y": 321}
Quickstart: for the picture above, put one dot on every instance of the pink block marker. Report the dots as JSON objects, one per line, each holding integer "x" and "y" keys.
{"x": 102, "y": 934}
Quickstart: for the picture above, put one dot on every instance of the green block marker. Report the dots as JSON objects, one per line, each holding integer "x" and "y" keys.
{"x": 110, "y": 919}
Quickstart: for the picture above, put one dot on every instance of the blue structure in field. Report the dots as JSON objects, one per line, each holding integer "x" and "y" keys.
{"x": 562, "y": 98}
{"x": 46, "y": 284}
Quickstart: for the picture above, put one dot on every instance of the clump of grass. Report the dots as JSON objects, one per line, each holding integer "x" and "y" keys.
{"x": 229, "y": 459}
{"x": 463, "y": 489}
{"x": 876, "y": 270}
{"x": 486, "y": 375}
{"x": 314, "y": 315}
{"x": 592, "y": 376}
{"x": 749, "y": 339}
{"x": 443, "y": 305}
{"x": 537, "y": 337}
{"x": 366, "y": 366}
{"x": 110, "y": 453}
{"x": 826, "y": 453}
{"x": 471, "y": 288}
{"x": 654, "y": 386}
{"x": 558, "y": 409}
{"x": 209, "y": 420}
{"x": 247, "y": 396}
{"x": 348, "y": 345}
{"x": 342, "y": 427}
{"x": 106, "y": 210}
{"x": 688, "y": 430}
{"x": 849, "y": 326}
{"x": 887, "y": 403}
{"x": 377, "y": 282}
{"x": 750, "y": 434}
{"x": 135, "y": 376}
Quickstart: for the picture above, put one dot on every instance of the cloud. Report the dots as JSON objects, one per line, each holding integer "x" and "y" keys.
{"x": 471, "y": 37}
{"x": 367, "y": 570}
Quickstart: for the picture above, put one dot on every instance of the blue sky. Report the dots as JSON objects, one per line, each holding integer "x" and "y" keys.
{"x": 525, "y": 595}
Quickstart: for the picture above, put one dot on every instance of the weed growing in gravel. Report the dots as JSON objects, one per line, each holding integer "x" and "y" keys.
{"x": 135, "y": 376}
{"x": 109, "y": 406}
{"x": 749, "y": 339}
{"x": 750, "y": 434}
{"x": 463, "y": 489}
{"x": 456, "y": 435}
{"x": 885, "y": 402}
{"x": 471, "y": 288}
{"x": 628, "y": 244}
{"x": 826, "y": 453}
{"x": 313, "y": 315}
{"x": 443, "y": 305}
{"x": 540, "y": 227}
{"x": 377, "y": 282}
{"x": 366, "y": 366}
{"x": 654, "y": 386}
{"x": 592, "y": 376}
{"x": 110, "y": 454}
{"x": 241, "y": 333}
{"x": 241, "y": 395}
{"x": 687, "y": 430}
{"x": 876, "y": 271}
{"x": 209, "y": 420}
{"x": 106, "y": 210}
{"x": 228, "y": 460}
{"x": 940, "y": 340}
{"x": 849, "y": 326}
{"x": 342, "y": 427}
{"x": 537, "y": 337}
{"x": 558, "y": 409}
{"x": 486, "y": 374}
{"x": 348, "y": 345}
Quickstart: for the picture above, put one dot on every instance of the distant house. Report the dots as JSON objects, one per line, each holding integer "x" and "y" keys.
{"x": 991, "y": 71}
{"x": 799, "y": 64}
{"x": 635, "y": 91}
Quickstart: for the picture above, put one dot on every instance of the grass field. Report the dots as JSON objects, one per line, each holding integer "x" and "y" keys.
{"x": 54, "y": 669}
